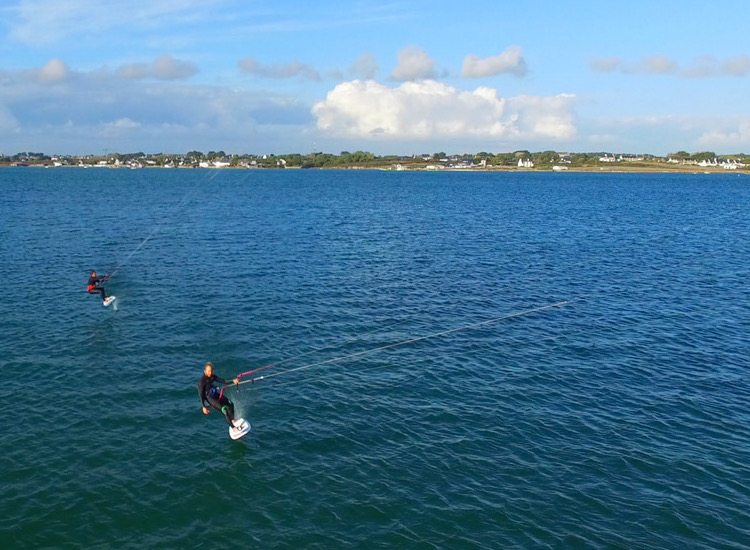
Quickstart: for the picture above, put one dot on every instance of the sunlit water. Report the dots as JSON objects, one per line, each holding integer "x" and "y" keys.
{"x": 618, "y": 419}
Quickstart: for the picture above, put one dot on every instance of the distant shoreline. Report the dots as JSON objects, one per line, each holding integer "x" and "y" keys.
{"x": 518, "y": 161}
{"x": 651, "y": 168}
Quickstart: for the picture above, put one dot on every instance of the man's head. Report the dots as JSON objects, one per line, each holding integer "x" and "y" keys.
{"x": 208, "y": 370}
{"x": 93, "y": 273}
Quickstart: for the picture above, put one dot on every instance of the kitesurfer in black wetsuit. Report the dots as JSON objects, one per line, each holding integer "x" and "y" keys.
{"x": 211, "y": 395}
{"x": 94, "y": 287}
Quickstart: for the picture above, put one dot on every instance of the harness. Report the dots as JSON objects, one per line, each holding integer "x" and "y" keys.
{"x": 213, "y": 396}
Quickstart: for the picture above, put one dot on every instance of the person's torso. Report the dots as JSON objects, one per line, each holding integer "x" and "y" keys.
{"x": 206, "y": 386}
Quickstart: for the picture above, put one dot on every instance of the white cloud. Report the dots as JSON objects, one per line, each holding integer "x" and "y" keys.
{"x": 129, "y": 115}
{"x": 365, "y": 66}
{"x": 54, "y": 71}
{"x": 708, "y": 66}
{"x": 605, "y": 64}
{"x": 164, "y": 67}
{"x": 653, "y": 64}
{"x": 413, "y": 64}
{"x": 739, "y": 137}
{"x": 429, "y": 109}
{"x": 510, "y": 61}
{"x": 661, "y": 134}
{"x": 8, "y": 122}
{"x": 705, "y": 66}
{"x": 288, "y": 70}
{"x": 736, "y": 66}
{"x": 124, "y": 123}
{"x": 545, "y": 116}
{"x": 650, "y": 64}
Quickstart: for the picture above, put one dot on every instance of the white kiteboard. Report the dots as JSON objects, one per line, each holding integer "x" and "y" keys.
{"x": 109, "y": 300}
{"x": 242, "y": 428}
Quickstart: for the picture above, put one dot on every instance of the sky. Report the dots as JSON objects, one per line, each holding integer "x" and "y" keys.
{"x": 392, "y": 77}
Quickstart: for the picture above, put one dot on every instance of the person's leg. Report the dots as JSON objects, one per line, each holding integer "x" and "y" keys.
{"x": 99, "y": 290}
{"x": 223, "y": 405}
{"x": 227, "y": 410}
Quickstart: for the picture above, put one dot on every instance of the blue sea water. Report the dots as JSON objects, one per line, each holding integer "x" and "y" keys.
{"x": 461, "y": 360}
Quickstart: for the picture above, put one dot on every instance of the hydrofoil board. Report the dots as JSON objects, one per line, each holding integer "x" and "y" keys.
{"x": 109, "y": 300}
{"x": 240, "y": 429}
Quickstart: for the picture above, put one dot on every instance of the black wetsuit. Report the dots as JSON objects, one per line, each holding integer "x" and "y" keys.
{"x": 94, "y": 289}
{"x": 210, "y": 393}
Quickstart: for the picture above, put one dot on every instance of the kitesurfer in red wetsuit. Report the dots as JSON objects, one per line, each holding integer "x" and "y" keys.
{"x": 94, "y": 287}
{"x": 211, "y": 396}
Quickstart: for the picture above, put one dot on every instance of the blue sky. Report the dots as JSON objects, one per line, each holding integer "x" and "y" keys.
{"x": 390, "y": 77}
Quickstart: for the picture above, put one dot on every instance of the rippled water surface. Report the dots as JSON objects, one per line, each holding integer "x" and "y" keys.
{"x": 462, "y": 360}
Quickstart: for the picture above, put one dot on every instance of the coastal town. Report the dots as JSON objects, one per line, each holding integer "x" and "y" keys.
{"x": 515, "y": 161}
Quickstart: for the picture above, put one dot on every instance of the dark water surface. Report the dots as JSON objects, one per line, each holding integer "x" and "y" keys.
{"x": 618, "y": 420}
